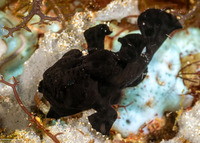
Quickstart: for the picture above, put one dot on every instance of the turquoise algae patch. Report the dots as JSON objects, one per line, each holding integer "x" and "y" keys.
{"x": 161, "y": 90}
{"x": 18, "y": 48}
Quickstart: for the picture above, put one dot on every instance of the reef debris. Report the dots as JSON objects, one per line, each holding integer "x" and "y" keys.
{"x": 33, "y": 119}
{"x": 35, "y": 10}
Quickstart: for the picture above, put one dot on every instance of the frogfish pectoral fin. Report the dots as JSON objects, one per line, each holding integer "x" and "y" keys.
{"x": 102, "y": 121}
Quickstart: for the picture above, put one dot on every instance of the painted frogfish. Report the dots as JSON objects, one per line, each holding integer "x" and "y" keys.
{"x": 76, "y": 83}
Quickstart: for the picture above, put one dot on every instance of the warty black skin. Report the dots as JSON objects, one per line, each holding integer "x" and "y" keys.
{"x": 76, "y": 83}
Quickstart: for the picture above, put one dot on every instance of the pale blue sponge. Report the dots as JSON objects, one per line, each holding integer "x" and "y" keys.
{"x": 161, "y": 90}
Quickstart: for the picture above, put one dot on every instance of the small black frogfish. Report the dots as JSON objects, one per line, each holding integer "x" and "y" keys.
{"x": 76, "y": 83}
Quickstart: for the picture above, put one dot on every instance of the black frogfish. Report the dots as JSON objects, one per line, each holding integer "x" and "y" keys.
{"x": 76, "y": 83}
